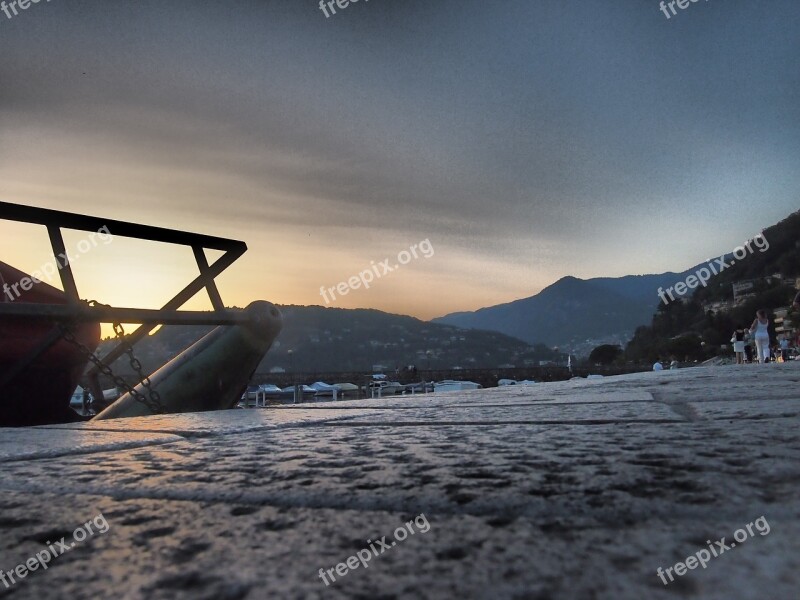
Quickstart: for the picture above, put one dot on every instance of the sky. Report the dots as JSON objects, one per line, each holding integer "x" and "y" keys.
{"x": 520, "y": 141}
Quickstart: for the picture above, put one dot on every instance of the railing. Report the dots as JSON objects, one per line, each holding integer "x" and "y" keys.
{"x": 77, "y": 310}
{"x": 486, "y": 377}
{"x": 55, "y": 221}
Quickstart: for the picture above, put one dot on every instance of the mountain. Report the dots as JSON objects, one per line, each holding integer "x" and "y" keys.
{"x": 779, "y": 253}
{"x": 347, "y": 340}
{"x": 766, "y": 278}
{"x": 581, "y": 314}
{"x": 574, "y": 313}
{"x": 337, "y": 339}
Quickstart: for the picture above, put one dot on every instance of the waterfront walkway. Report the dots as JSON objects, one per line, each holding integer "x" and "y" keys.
{"x": 574, "y": 489}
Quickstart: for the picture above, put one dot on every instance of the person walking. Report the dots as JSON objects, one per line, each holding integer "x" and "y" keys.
{"x": 760, "y": 331}
{"x": 738, "y": 345}
{"x": 785, "y": 349}
{"x": 784, "y": 346}
{"x": 748, "y": 347}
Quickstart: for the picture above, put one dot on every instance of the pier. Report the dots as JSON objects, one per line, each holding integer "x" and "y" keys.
{"x": 572, "y": 489}
{"x": 486, "y": 377}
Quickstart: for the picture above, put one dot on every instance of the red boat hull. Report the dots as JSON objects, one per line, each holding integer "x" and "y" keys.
{"x": 40, "y": 393}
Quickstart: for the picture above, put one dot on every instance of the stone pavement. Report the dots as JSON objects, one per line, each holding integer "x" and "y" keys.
{"x": 577, "y": 489}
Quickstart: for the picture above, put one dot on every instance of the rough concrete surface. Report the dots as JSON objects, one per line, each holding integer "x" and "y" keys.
{"x": 578, "y": 489}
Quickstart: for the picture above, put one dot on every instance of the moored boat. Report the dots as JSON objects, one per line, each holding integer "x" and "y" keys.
{"x": 38, "y": 391}
{"x": 48, "y": 336}
{"x": 452, "y": 385}
{"x": 346, "y": 388}
{"x": 383, "y": 387}
{"x": 323, "y": 389}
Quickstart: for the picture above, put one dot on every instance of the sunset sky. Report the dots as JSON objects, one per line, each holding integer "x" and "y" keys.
{"x": 527, "y": 140}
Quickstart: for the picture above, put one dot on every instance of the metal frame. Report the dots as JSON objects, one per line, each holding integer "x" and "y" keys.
{"x": 76, "y": 309}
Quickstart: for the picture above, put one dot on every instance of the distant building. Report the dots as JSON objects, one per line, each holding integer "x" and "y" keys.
{"x": 742, "y": 290}
{"x": 718, "y": 306}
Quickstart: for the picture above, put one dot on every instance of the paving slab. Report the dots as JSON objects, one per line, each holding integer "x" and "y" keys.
{"x": 226, "y": 422}
{"x": 159, "y": 549}
{"x": 253, "y": 503}
{"x": 475, "y": 413}
{"x": 757, "y": 408}
{"x": 29, "y": 443}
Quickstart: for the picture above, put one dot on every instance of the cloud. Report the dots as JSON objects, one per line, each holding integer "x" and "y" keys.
{"x": 569, "y": 138}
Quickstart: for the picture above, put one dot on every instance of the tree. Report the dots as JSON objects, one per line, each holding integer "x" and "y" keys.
{"x": 686, "y": 346}
{"x": 605, "y": 354}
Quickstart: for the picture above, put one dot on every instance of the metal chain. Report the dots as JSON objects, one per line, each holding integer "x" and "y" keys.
{"x": 153, "y": 402}
{"x": 136, "y": 365}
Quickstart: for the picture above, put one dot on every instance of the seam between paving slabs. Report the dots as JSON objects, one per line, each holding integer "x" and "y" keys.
{"x": 42, "y": 455}
{"x": 176, "y": 435}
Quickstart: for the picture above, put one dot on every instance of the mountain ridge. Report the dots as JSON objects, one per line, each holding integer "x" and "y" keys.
{"x": 573, "y": 312}
{"x": 318, "y": 339}
{"x": 576, "y": 313}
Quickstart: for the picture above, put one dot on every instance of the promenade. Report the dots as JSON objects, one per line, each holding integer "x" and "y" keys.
{"x": 572, "y": 489}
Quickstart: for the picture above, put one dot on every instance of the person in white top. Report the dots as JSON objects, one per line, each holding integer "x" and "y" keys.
{"x": 657, "y": 366}
{"x": 738, "y": 345}
{"x": 784, "y": 349}
{"x": 760, "y": 331}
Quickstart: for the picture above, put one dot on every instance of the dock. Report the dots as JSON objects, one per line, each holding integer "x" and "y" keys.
{"x": 571, "y": 489}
